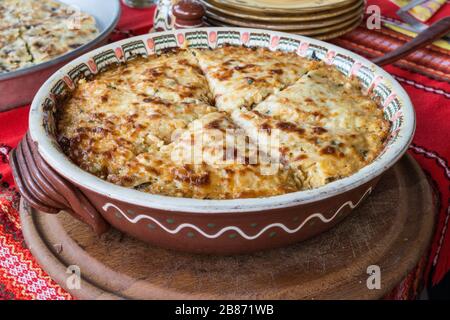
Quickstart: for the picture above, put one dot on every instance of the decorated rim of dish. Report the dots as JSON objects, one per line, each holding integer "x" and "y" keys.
{"x": 395, "y": 101}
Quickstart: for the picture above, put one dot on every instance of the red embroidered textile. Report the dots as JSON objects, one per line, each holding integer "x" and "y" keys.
{"x": 425, "y": 76}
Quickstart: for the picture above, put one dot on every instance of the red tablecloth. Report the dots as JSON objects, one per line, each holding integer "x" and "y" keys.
{"x": 425, "y": 77}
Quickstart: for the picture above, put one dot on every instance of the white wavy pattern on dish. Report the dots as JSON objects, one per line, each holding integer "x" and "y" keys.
{"x": 234, "y": 228}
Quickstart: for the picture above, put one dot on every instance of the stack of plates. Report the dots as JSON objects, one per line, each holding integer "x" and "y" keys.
{"x": 322, "y": 19}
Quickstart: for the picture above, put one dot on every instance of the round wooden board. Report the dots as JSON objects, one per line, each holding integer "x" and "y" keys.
{"x": 391, "y": 229}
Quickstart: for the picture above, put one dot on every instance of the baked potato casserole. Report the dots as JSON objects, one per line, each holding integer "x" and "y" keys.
{"x": 224, "y": 123}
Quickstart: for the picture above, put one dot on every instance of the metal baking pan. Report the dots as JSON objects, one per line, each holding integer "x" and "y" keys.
{"x": 17, "y": 88}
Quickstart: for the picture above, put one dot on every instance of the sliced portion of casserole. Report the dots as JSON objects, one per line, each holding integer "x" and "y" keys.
{"x": 172, "y": 76}
{"x": 213, "y": 160}
{"x": 105, "y": 125}
{"x": 32, "y": 13}
{"x": 324, "y": 126}
{"x": 324, "y": 98}
{"x": 42, "y": 29}
{"x": 8, "y": 17}
{"x": 316, "y": 156}
{"x": 208, "y": 160}
{"x": 242, "y": 77}
{"x": 13, "y": 51}
{"x": 51, "y": 37}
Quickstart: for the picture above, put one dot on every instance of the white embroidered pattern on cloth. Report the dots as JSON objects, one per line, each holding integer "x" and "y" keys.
{"x": 20, "y": 272}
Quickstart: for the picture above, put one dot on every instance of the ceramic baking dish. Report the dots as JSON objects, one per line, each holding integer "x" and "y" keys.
{"x": 19, "y": 87}
{"x": 51, "y": 182}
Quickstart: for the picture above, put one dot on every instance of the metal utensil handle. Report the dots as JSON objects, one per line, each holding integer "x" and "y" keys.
{"x": 434, "y": 32}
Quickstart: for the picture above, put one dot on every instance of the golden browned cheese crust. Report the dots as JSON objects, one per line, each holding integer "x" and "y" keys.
{"x": 173, "y": 76}
{"x": 32, "y": 32}
{"x": 152, "y": 125}
{"x": 326, "y": 127}
{"x": 242, "y": 77}
{"x": 201, "y": 166}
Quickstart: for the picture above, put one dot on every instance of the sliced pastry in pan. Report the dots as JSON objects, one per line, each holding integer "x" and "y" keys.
{"x": 13, "y": 51}
{"x": 316, "y": 155}
{"x": 323, "y": 126}
{"x": 43, "y": 29}
{"x": 172, "y": 76}
{"x": 104, "y": 127}
{"x": 8, "y": 17}
{"x": 48, "y": 39}
{"x": 324, "y": 98}
{"x": 242, "y": 77}
{"x": 197, "y": 164}
{"x": 32, "y": 13}
{"x": 212, "y": 159}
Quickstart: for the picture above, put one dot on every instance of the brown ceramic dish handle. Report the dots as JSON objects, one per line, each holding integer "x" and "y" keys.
{"x": 44, "y": 189}
{"x": 433, "y": 33}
